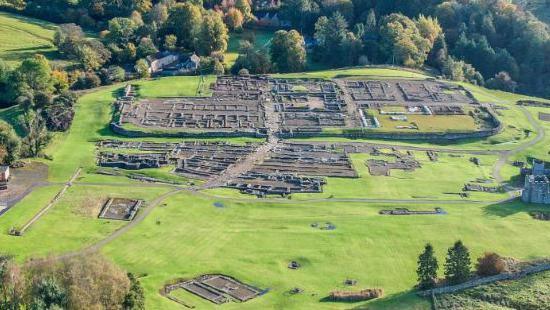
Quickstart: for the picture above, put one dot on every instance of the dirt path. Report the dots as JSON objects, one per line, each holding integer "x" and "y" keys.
{"x": 504, "y": 156}
{"x": 351, "y": 105}
{"x": 43, "y": 211}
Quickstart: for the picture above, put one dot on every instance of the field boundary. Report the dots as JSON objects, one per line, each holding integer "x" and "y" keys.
{"x": 487, "y": 280}
{"x": 37, "y": 216}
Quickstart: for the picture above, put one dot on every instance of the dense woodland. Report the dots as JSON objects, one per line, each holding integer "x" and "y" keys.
{"x": 76, "y": 283}
{"x": 486, "y": 42}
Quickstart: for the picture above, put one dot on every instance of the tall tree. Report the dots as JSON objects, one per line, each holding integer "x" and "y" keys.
{"x": 33, "y": 74}
{"x": 246, "y": 9}
{"x": 135, "y": 298}
{"x": 48, "y": 294}
{"x": 212, "y": 36}
{"x": 10, "y": 144}
{"x": 301, "y": 14}
{"x": 427, "y": 268}
{"x": 403, "y": 41}
{"x": 458, "y": 263}
{"x": 288, "y": 53}
{"x": 184, "y": 21}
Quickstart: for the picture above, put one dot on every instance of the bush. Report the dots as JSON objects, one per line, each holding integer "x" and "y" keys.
{"x": 490, "y": 264}
{"x": 366, "y": 294}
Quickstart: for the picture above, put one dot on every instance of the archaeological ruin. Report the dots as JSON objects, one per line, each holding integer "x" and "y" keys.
{"x": 121, "y": 209}
{"x": 260, "y": 105}
{"x": 215, "y": 288}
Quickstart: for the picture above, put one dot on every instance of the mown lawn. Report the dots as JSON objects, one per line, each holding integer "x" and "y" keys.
{"x": 70, "y": 224}
{"x": 262, "y": 40}
{"x": 22, "y": 37}
{"x": 254, "y": 241}
{"x": 178, "y": 86}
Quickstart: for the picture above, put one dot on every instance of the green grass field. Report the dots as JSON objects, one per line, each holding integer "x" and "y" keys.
{"x": 262, "y": 40}
{"x": 254, "y": 242}
{"x": 254, "y": 239}
{"x": 426, "y": 123}
{"x": 22, "y": 37}
{"x": 523, "y": 293}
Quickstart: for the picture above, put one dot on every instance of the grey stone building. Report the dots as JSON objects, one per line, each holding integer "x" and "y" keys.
{"x": 537, "y": 185}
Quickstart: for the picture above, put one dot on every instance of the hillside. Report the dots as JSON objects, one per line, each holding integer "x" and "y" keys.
{"x": 540, "y": 8}
{"x": 185, "y": 232}
{"x": 22, "y": 37}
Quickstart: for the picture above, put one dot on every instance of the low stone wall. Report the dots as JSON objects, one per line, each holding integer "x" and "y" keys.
{"x": 487, "y": 280}
{"x": 116, "y": 128}
{"x": 376, "y": 134}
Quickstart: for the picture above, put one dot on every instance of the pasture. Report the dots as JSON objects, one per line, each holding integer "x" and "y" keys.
{"x": 22, "y": 37}
{"x": 221, "y": 231}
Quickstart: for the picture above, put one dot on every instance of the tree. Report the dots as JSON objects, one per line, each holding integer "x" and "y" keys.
{"x": 288, "y": 53}
{"x": 48, "y": 294}
{"x": 12, "y": 284}
{"x": 254, "y": 61}
{"x": 142, "y": 68}
{"x": 67, "y": 37}
{"x": 403, "y": 42}
{"x": 33, "y": 74}
{"x": 146, "y": 48}
{"x": 502, "y": 81}
{"x": 135, "y": 298}
{"x": 439, "y": 53}
{"x": 10, "y": 144}
{"x": 490, "y": 264}
{"x": 336, "y": 46}
{"x": 142, "y": 6}
{"x": 212, "y": 36}
{"x": 370, "y": 23}
{"x": 244, "y": 7}
{"x": 170, "y": 42}
{"x": 159, "y": 14}
{"x": 429, "y": 28}
{"x": 36, "y": 134}
{"x": 427, "y": 268}
{"x": 92, "y": 54}
{"x": 344, "y": 7}
{"x": 301, "y": 14}
{"x": 184, "y": 21}
{"x": 457, "y": 265}
{"x": 121, "y": 30}
{"x": 234, "y": 19}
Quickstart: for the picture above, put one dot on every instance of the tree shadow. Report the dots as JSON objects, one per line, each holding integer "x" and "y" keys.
{"x": 392, "y": 301}
{"x": 512, "y": 207}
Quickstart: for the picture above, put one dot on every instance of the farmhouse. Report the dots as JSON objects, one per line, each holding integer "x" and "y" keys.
{"x": 537, "y": 185}
{"x": 161, "y": 60}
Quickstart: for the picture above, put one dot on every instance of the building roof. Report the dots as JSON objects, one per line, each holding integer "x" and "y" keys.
{"x": 3, "y": 169}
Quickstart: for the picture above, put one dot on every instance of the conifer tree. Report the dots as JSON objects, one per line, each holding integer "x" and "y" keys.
{"x": 427, "y": 268}
{"x": 457, "y": 266}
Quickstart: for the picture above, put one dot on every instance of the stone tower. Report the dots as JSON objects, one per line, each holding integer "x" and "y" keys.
{"x": 537, "y": 185}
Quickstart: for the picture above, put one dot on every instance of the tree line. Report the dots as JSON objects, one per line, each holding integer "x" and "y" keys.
{"x": 487, "y": 42}
{"x": 87, "y": 282}
{"x": 457, "y": 267}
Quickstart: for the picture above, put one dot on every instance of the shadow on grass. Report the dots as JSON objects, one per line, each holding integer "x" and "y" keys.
{"x": 512, "y": 208}
{"x": 393, "y": 301}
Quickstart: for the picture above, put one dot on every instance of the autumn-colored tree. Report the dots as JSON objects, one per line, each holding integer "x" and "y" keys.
{"x": 490, "y": 264}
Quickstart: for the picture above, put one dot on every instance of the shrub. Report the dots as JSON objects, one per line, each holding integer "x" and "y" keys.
{"x": 490, "y": 264}
{"x": 366, "y": 294}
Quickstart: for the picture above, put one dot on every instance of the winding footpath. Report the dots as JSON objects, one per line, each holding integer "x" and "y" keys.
{"x": 263, "y": 151}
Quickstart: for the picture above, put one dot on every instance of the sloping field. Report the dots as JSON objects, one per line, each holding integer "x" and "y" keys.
{"x": 22, "y": 37}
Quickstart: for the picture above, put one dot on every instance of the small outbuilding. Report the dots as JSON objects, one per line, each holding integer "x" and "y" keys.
{"x": 4, "y": 177}
{"x": 4, "y": 173}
